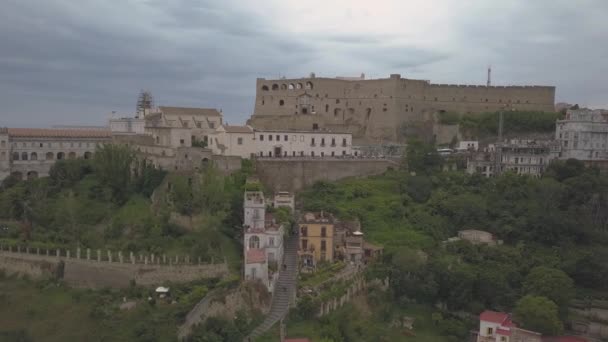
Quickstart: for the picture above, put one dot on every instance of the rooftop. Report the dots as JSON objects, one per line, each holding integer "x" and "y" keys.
{"x": 318, "y": 217}
{"x": 255, "y": 256}
{"x": 58, "y": 133}
{"x": 238, "y": 129}
{"x": 494, "y": 317}
{"x": 189, "y": 111}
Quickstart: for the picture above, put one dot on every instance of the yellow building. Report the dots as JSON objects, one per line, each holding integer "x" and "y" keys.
{"x": 316, "y": 241}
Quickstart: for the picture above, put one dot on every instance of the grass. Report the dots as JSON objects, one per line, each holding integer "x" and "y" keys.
{"x": 49, "y": 311}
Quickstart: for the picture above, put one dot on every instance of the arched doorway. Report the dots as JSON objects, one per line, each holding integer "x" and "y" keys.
{"x": 60, "y": 155}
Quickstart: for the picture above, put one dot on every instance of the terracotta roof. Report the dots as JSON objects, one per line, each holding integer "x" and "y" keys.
{"x": 493, "y": 316}
{"x": 503, "y": 332}
{"x": 255, "y": 256}
{"x": 58, "y": 133}
{"x": 189, "y": 111}
{"x": 238, "y": 129}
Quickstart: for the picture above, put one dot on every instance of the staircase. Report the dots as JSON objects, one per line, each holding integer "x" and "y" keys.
{"x": 284, "y": 289}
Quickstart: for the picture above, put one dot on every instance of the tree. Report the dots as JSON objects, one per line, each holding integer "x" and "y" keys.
{"x": 551, "y": 283}
{"x": 538, "y": 314}
{"x": 419, "y": 188}
{"x": 113, "y": 163}
{"x": 422, "y": 157}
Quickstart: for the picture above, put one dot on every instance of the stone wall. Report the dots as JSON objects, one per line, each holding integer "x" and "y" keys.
{"x": 359, "y": 284}
{"x": 293, "y": 174}
{"x": 97, "y": 269}
{"x": 376, "y": 109}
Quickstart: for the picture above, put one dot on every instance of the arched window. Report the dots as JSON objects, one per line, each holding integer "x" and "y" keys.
{"x": 60, "y": 155}
{"x": 309, "y": 85}
{"x": 265, "y": 88}
{"x": 291, "y": 86}
{"x": 24, "y": 156}
{"x": 72, "y": 155}
{"x": 275, "y": 87}
{"x": 49, "y": 156}
{"x": 283, "y": 86}
{"x": 87, "y": 155}
{"x": 34, "y": 156}
{"x": 281, "y": 103}
{"x": 254, "y": 242}
{"x": 15, "y": 155}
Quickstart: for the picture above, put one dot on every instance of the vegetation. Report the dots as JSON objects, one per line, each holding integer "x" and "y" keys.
{"x": 485, "y": 124}
{"x": 106, "y": 203}
{"x": 554, "y": 230}
{"x": 538, "y": 314}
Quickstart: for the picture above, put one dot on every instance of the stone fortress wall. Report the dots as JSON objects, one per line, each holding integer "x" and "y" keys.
{"x": 379, "y": 109}
{"x": 97, "y": 269}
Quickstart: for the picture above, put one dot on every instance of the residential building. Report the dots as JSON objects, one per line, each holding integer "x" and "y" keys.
{"x": 316, "y": 239}
{"x": 499, "y": 327}
{"x": 233, "y": 141}
{"x": 467, "y": 145}
{"x": 263, "y": 241}
{"x": 284, "y": 199}
{"x": 524, "y": 157}
{"x": 583, "y": 135}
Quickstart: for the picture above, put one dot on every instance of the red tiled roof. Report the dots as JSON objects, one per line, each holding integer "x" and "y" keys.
{"x": 255, "y": 256}
{"x": 58, "y": 133}
{"x": 493, "y": 316}
{"x": 503, "y": 332}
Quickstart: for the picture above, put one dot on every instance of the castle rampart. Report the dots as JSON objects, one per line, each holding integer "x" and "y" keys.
{"x": 377, "y": 109}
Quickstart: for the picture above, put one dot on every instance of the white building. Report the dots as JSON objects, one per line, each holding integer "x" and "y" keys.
{"x": 469, "y": 145}
{"x": 583, "y": 135}
{"x": 498, "y": 327}
{"x": 284, "y": 199}
{"x": 244, "y": 141}
{"x": 127, "y": 126}
{"x": 263, "y": 241}
{"x": 524, "y": 157}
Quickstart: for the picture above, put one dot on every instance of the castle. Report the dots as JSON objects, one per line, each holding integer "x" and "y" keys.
{"x": 379, "y": 110}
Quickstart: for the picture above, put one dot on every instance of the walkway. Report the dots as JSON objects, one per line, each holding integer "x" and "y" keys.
{"x": 284, "y": 290}
{"x": 195, "y": 316}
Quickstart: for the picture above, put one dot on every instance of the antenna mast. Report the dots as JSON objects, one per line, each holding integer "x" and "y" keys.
{"x": 489, "y": 82}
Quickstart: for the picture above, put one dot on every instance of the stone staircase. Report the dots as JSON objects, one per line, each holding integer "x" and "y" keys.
{"x": 284, "y": 289}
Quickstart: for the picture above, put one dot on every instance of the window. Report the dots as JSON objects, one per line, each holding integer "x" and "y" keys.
{"x": 41, "y": 144}
{"x": 322, "y": 141}
{"x": 271, "y": 241}
{"x": 312, "y": 141}
{"x": 343, "y": 141}
{"x": 322, "y": 154}
{"x": 181, "y": 142}
{"x": 261, "y": 137}
{"x": 490, "y": 331}
{"x": 503, "y": 339}
{"x": 198, "y": 125}
{"x": 278, "y": 137}
{"x": 293, "y": 154}
{"x": 315, "y": 126}
{"x": 333, "y": 141}
{"x": 312, "y": 153}
{"x": 301, "y": 138}
{"x": 24, "y": 156}
{"x": 333, "y": 153}
{"x": 15, "y": 156}
{"x": 304, "y": 244}
{"x": 294, "y": 137}
{"x": 3, "y": 144}
{"x": 254, "y": 242}
{"x": 239, "y": 141}
{"x": 286, "y": 137}
{"x": 323, "y": 231}
{"x": 269, "y": 137}
{"x": 212, "y": 125}
{"x": 326, "y": 108}
{"x": 281, "y": 103}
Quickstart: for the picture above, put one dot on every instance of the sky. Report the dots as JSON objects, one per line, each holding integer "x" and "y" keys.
{"x": 72, "y": 62}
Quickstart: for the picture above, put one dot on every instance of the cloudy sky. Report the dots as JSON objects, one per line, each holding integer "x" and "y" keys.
{"x": 75, "y": 61}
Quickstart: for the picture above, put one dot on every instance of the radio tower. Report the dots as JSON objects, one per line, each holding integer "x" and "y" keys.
{"x": 489, "y": 83}
{"x": 145, "y": 103}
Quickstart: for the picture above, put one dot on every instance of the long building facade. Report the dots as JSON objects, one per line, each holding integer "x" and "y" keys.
{"x": 31, "y": 152}
{"x": 583, "y": 135}
{"x": 375, "y": 110}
